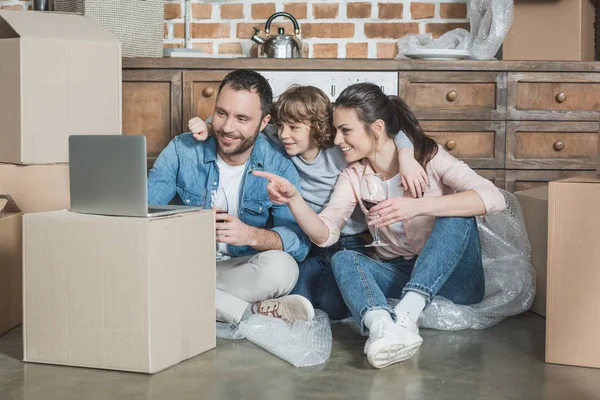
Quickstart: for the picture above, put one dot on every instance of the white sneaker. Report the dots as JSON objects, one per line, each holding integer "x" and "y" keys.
{"x": 390, "y": 342}
{"x": 289, "y": 308}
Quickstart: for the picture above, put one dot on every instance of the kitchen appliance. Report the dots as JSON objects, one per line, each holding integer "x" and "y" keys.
{"x": 281, "y": 45}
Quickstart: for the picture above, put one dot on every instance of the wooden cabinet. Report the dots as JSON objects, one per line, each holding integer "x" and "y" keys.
{"x": 519, "y": 124}
{"x": 152, "y": 107}
{"x": 200, "y": 90}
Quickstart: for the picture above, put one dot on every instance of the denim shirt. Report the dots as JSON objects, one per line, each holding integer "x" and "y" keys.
{"x": 186, "y": 166}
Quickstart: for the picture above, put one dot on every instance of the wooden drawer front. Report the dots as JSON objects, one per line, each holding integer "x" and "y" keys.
{"x": 200, "y": 90}
{"x": 447, "y": 95}
{"x": 556, "y": 96}
{"x": 480, "y": 144}
{"x": 152, "y": 107}
{"x": 551, "y": 145}
{"x": 523, "y": 180}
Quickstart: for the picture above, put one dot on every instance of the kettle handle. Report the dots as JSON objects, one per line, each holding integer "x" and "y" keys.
{"x": 282, "y": 14}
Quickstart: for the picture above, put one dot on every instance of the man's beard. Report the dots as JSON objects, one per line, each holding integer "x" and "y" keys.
{"x": 243, "y": 145}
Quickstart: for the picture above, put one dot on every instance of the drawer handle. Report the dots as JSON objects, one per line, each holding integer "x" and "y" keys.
{"x": 208, "y": 92}
{"x": 450, "y": 145}
{"x": 452, "y": 95}
{"x": 558, "y": 145}
{"x": 561, "y": 97}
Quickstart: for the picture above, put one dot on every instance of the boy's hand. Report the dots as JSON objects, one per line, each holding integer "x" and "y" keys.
{"x": 198, "y": 128}
{"x": 414, "y": 177}
{"x": 279, "y": 189}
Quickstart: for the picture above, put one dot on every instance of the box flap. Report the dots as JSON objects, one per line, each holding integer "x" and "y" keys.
{"x": 7, "y": 204}
{"x": 43, "y": 25}
{"x": 540, "y": 192}
{"x": 579, "y": 179}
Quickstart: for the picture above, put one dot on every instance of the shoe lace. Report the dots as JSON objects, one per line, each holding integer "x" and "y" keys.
{"x": 269, "y": 311}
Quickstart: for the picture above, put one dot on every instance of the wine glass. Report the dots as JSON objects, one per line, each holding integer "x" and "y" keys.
{"x": 216, "y": 199}
{"x": 373, "y": 190}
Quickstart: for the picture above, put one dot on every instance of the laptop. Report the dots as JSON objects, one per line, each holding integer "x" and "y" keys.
{"x": 108, "y": 177}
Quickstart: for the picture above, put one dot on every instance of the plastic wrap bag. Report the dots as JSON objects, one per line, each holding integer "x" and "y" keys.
{"x": 302, "y": 344}
{"x": 490, "y": 21}
{"x": 509, "y": 275}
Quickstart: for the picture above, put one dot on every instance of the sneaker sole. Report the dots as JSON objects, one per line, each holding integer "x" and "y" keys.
{"x": 392, "y": 353}
{"x": 307, "y": 304}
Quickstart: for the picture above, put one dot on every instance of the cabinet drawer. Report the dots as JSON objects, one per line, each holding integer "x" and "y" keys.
{"x": 555, "y": 96}
{"x": 551, "y": 145}
{"x": 480, "y": 144}
{"x": 455, "y": 95}
{"x": 523, "y": 180}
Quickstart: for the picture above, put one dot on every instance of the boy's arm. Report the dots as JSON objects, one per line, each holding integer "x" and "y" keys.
{"x": 414, "y": 177}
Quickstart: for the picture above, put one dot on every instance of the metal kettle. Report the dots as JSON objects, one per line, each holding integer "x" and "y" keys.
{"x": 281, "y": 45}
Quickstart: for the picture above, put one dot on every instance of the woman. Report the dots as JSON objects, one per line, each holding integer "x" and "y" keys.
{"x": 304, "y": 131}
{"x": 432, "y": 243}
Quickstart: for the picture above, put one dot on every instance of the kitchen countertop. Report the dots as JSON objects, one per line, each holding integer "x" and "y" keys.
{"x": 357, "y": 64}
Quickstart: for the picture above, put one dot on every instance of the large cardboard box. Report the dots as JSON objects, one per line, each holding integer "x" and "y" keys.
{"x": 534, "y": 203}
{"x": 10, "y": 264}
{"x": 130, "y": 294}
{"x": 59, "y": 75}
{"x": 573, "y": 313}
{"x": 36, "y": 188}
{"x": 551, "y": 30}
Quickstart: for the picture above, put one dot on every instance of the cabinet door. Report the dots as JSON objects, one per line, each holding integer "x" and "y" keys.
{"x": 152, "y": 107}
{"x": 523, "y": 180}
{"x": 200, "y": 93}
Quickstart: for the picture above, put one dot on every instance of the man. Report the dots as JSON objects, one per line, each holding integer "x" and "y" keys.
{"x": 263, "y": 238}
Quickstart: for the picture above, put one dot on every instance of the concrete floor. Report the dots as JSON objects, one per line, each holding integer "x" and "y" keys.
{"x": 503, "y": 362}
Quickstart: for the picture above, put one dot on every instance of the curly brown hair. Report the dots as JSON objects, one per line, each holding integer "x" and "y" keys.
{"x": 307, "y": 104}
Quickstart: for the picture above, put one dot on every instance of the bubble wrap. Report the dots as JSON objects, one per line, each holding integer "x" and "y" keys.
{"x": 489, "y": 22}
{"x": 302, "y": 344}
{"x": 509, "y": 275}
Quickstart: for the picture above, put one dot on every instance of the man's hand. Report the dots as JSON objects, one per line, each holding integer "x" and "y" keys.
{"x": 279, "y": 189}
{"x": 198, "y": 128}
{"x": 396, "y": 209}
{"x": 231, "y": 230}
{"x": 414, "y": 177}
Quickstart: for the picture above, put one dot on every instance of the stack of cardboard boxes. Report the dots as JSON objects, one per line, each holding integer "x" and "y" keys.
{"x": 134, "y": 294}
{"x": 563, "y": 223}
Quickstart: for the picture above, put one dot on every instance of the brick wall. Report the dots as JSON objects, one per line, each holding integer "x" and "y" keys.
{"x": 343, "y": 29}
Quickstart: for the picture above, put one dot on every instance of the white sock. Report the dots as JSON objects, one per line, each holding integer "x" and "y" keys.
{"x": 372, "y": 315}
{"x": 413, "y": 304}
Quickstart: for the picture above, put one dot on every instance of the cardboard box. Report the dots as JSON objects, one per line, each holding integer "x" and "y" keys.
{"x": 573, "y": 312}
{"x": 59, "y": 75}
{"x": 534, "y": 203}
{"x": 130, "y": 294}
{"x": 36, "y": 188}
{"x": 551, "y": 30}
{"x": 11, "y": 304}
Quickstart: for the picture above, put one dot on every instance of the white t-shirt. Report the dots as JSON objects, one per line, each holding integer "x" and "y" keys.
{"x": 230, "y": 179}
{"x": 395, "y": 189}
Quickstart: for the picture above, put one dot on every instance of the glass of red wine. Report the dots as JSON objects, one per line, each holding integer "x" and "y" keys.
{"x": 216, "y": 199}
{"x": 373, "y": 190}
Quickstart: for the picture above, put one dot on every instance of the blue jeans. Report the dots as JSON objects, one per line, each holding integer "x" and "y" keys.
{"x": 316, "y": 281}
{"x": 449, "y": 265}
